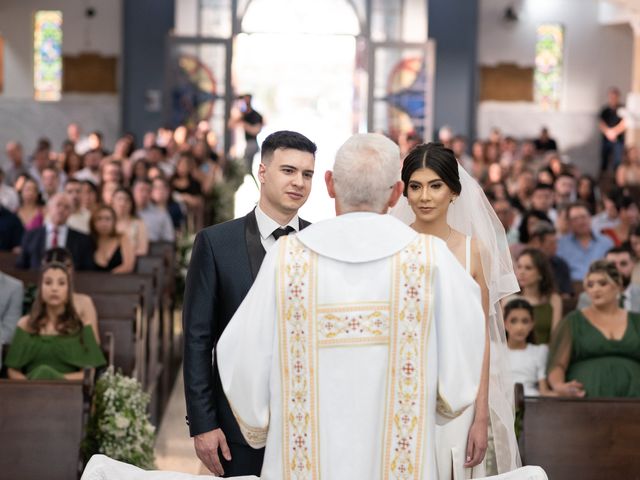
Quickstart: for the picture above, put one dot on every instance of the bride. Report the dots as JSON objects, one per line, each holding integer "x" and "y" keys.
{"x": 443, "y": 200}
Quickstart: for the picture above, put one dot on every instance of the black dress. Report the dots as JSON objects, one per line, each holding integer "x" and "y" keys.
{"x": 114, "y": 261}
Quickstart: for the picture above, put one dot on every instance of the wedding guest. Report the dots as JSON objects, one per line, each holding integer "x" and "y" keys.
{"x": 52, "y": 342}
{"x": 89, "y": 195}
{"x": 8, "y": 195}
{"x": 625, "y": 261}
{"x": 112, "y": 252}
{"x": 628, "y": 216}
{"x": 157, "y": 221}
{"x": 55, "y": 233}
{"x": 79, "y": 217}
{"x": 581, "y": 245}
{"x": 587, "y": 192}
{"x": 608, "y": 217}
{"x": 161, "y": 197}
{"x": 544, "y": 238}
{"x": 128, "y": 223}
{"x": 30, "y": 211}
{"x": 628, "y": 173}
{"x": 11, "y": 230}
{"x": 528, "y": 360}
{"x": 91, "y": 170}
{"x": 51, "y": 183}
{"x": 16, "y": 166}
{"x": 11, "y": 296}
{"x": 107, "y": 190}
{"x": 595, "y": 350}
{"x": 537, "y": 287}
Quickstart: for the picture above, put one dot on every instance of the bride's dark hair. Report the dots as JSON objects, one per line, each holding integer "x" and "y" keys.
{"x": 438, "y": 158}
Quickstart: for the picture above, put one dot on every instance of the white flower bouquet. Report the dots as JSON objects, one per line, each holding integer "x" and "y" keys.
{"x": 119, "y": 426}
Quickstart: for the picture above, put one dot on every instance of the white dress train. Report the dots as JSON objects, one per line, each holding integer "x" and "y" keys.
{"x": 101, "y": 467}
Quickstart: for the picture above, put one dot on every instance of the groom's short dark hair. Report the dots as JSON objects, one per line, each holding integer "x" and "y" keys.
{"x": 286, "y": 139}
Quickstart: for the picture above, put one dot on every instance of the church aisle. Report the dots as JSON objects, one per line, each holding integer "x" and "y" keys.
{"x": 174, "y": 448}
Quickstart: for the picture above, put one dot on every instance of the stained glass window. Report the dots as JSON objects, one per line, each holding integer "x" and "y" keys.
{"x": 549, "y": 64}
{"x": 47, "y": 55}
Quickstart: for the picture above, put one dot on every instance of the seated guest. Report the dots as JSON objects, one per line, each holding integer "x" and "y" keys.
{"x": 128, "y": 222}
{"x": 533, "y": 272}
{"x": 11, "y": 295}
{"x": 581, "y": 246}
{"x": 608, "y": 217}
{"x": 634, "y": 244}
{"x": 564, "y": 189}
{"x": 161, "y": 197}
{"x": 107, "y": 189}
{"x": 112, "y": 251}
{"x": 628, "y": 173}
{"x": 91, "y": 170}
{"x": 508, "y": 218}
{"x": 158, "y": 222}
{"x": 52, "y": 342}
{"x": 89, "y": 195}
{"x": 542, "y": 200}
{"x": 184, "y": 184}
{"x": 544, "y": 143}
{"x": 81, "y": 302}
{"x": 625, "y": 261}
{"x": 587, "y": 192}
{"x": 11, "y": 230}
{"x": 30, "y": 211}
{"x": 8, "y": 196}
{"x": 628, "y": 216}
{"x": 528, "y": 361}
{"x": 17, "y": 166}
{"x": 544, "y": 239}
{"x": 50, "y": 183}
{"x": 55, "y": 233}
{"x": 79, "y": 217}
{"x": 528, "y": 223}
{"x": 596, "y": 350}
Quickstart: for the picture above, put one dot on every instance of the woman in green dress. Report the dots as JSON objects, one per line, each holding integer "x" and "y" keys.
{"x": 535, "y": 278}
{"x": 52, "y": 342}
{"x": 596, "y": 351}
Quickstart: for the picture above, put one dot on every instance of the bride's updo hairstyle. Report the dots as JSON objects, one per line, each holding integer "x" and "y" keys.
{"x": 436, "y": 157}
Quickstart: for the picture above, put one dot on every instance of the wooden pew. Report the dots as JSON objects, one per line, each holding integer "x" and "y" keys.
{"x": 7, "y": 261}
{"x": 41, "y": 426}
{"x": 585, "y": 439}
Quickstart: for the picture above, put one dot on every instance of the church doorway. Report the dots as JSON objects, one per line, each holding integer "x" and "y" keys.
{"x": 298, "y": 58}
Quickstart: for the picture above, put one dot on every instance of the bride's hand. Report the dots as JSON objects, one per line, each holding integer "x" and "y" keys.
{"x": 476, "y": 443}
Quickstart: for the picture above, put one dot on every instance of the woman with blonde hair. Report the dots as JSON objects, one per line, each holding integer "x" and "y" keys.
{"x": 596, "y": 351}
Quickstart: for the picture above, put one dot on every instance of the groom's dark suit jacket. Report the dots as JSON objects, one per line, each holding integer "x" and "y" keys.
{"x": 224, "y": 263}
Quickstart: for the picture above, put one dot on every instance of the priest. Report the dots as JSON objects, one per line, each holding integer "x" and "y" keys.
{"x": 356, "y": 330}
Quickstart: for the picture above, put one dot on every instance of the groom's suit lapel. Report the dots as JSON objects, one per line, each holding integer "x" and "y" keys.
{"x": 255, "y": 250}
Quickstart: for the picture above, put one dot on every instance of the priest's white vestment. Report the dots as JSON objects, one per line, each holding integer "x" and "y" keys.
{"x": 354, "y": 332}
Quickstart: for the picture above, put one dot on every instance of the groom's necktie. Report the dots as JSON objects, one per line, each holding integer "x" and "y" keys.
{"x": 279, "y": 232}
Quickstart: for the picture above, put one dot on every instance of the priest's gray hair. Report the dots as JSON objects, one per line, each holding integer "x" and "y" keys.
{"x": 367, "y": 167}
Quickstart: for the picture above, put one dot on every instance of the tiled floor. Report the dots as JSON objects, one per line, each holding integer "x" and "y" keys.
{"x": 174, "y": 448}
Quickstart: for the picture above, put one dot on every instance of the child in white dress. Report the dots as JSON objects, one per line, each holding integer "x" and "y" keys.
{"x": 528, "y": 361}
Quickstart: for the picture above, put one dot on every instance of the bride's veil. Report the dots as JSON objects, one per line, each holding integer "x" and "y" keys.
{"x": 472, "y": 214}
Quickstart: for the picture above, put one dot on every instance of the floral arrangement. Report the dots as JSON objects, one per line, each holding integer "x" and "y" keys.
{"x": 119, "y": 426}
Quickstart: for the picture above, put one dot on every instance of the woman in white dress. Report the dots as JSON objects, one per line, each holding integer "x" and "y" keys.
{"x": 446, "y": 202}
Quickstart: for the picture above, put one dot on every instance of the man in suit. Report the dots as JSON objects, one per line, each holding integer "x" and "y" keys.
{"x": 224, "y": 263}
{"x": 55, "y": 233}
{"x": 624, "y": 261}
{"x": 11, "y": 296}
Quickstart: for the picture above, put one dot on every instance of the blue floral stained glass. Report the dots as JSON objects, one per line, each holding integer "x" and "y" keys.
{"x": 47, "y": 55}
{"x": 549, "y": 65}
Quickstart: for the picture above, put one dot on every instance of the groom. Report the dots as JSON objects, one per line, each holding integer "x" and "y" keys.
{"x": 352, "y": 335}
{"x": 225, "y": 261}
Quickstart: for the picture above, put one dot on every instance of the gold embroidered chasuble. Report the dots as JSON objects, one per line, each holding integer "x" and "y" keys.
{"x": 335, "y": 365}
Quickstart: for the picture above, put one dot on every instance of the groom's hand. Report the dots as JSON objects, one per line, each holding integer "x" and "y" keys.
{"x": 207, "y": 444}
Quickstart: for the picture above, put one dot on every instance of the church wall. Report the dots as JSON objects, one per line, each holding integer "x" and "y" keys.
{"x": 596, "y": 57}
{"x": 453, "y": 26}
{"x": 24, "y": 119}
